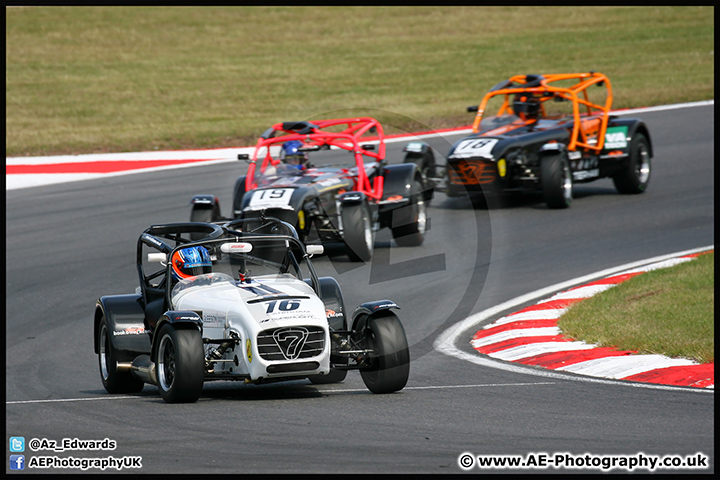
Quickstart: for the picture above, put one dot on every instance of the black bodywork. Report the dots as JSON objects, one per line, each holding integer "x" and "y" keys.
{"x": 526, "y": 149}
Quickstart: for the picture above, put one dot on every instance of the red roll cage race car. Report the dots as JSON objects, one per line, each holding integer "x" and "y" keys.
{"x": 341, "y": 202}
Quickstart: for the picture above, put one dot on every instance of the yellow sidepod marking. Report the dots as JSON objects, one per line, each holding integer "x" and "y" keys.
{"x": 502, "y": 167}
{"x": 301, "y": 220}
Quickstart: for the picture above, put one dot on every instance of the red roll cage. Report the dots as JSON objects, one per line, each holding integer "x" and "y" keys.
{"x": 314, "y": 136}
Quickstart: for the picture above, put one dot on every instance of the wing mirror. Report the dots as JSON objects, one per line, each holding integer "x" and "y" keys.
{"x": 157, "y": 257}
{"x": 314, "y": 249}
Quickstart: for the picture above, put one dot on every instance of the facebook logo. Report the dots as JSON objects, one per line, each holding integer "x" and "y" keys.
{"x": 17, "y": 444}
{"x": 17, "y": 462}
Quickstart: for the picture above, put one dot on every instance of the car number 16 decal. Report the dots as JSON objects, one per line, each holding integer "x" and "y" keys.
{"x": 283, "y": 306}
{"x": 271, "y": 198}
{"x": 475, "y": 147}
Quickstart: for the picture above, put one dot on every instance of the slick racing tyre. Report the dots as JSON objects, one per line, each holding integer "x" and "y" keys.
{"x": 411, "y": 220}
{"x": 203, "y": 214}
{"x": 427, "y": 167}
{"x": 556, "y": 180}
{"x": 357, "y": 232}
{"x": 113, "y": 380}
{"x": 635, "y": 177}
{"x": 179, "y": 364}
{"x": 390, "y": 369}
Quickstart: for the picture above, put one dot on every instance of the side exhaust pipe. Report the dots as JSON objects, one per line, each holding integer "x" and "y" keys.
{"x": 143, "y": 368}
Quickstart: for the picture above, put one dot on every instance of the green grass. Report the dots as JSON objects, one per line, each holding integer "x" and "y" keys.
{"x": 667, "y": 311}
{"x": 111, "y": 79}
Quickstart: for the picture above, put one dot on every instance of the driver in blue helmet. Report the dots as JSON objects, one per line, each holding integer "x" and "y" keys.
{"x": 189, "y": 262}
{"x": 291, "y": 155}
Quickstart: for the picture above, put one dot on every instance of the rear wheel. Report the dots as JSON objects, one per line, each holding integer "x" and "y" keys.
{"x": 635, "y": 177}
{"x": 179, "y": 364}
{"x": 390, "y": 369}
{"x": 556, "y": 180}
{"x": 357, "y": 232}
{"x": 411, "y": 220}
{"x": 113, "y": 380}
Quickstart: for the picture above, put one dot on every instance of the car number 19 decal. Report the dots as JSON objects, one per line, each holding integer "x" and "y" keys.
{"x": 271, "y": 198}
{"x": 475, "y": 147}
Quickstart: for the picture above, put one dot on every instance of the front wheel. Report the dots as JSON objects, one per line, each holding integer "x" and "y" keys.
{"x": 635, "y": 177}
{"x": 556, "y": 181}
{"x": 179, "y": 364}
{"x": 203, "y": 214}
{"x": 390, "y": 368}
{"x": 357, "y": 232}
{"x": 113, "y": 380}
{"x": 409, "y": 222}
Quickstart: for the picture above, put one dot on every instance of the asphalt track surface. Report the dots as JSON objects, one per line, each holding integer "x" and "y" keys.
{"x": 68, "y": 244}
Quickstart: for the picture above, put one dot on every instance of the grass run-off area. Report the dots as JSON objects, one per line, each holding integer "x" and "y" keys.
{"x": 669, "y": 311}
{"x": 137, "y": 78}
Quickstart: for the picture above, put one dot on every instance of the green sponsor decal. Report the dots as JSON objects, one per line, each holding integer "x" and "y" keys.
{"x": 616, "y": 137}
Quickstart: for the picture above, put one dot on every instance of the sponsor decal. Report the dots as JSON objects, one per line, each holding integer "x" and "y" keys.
{"x": 130, "y": 331}
{"x": 614, "y": 154}
{"x": 616, "y": 137}
{"x": 330, "y": 182}
{"x": 385, "y": 305}
{"x": 351, "y": 198}
{"x": 586, "y": 164}
{"x": 212, "y": 321}
{"x": 248, "y": 349}
{"x": 332, "y": 313}
{"x": 152, "y": 239}
{"x": 585, "y": 174}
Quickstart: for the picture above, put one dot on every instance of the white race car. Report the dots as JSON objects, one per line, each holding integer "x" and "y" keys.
{"x": 239, "y": 301}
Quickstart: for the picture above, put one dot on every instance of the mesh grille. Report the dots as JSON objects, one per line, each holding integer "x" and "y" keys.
{"x": 472, "y": 172}
{"x": 291, "y": 343}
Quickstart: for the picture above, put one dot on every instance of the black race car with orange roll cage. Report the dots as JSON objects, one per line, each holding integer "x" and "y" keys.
{"x": 548, "y": 133}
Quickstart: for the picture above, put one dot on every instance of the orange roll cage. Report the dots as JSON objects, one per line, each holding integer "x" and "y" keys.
{"x": 545, "y": 91}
